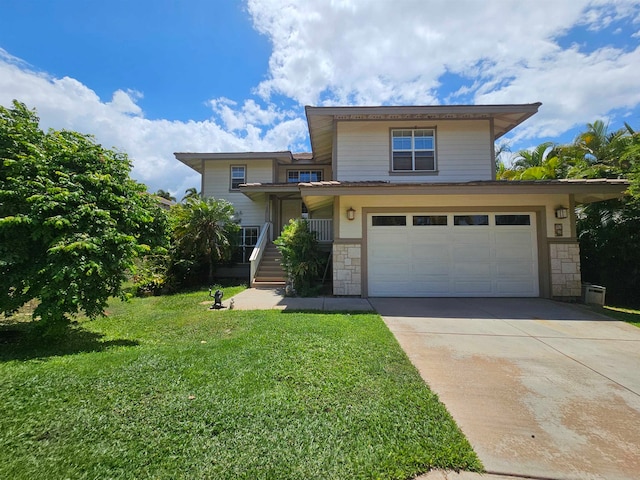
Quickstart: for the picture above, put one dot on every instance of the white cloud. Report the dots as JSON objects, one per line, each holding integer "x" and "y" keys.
{"x": 65, "y": 103}
{"x": 373, "y": 52}
{"x": 124, "y": 102}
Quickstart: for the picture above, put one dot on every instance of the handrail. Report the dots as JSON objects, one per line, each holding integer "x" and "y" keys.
{"x": 258, "y": 250}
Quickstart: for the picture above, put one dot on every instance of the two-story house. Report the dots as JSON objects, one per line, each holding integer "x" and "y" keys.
{"x": 409, "y": 199}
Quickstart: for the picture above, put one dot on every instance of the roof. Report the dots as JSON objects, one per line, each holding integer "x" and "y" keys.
{"x": 194, "y": 159}
{"x": 321, "y": 120}
{"x": 584, "y": 190}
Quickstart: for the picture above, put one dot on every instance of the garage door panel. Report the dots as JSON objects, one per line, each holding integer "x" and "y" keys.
{"x": 514, "y": 253}
{"x": 387, "y": 252}
{"x": 470, "y": 269}
{"x": 472, "y": 288}
{"x": 471, "y": 253}
{"x": 509, "y": 236}
{"x": 471, "y": 236}
{"x": 453, "y": 260}
{"x": 515, "y": 287}
{"x": 421, "y": 270}
{"x": 514, "y": 269}
{"x": 431, "y": 288}
{"x": 390, "y": 270}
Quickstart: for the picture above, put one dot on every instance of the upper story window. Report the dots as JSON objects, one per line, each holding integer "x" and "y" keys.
{"x": 297, "y": 176}
{"x": 413, "y": 150}
{"x": 238, "y": 176}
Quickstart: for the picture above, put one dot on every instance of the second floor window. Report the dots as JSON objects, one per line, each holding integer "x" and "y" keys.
{"x": 238, "y": 176}
{"x": 413, "y": 150}
{"x": 297, "y": 176}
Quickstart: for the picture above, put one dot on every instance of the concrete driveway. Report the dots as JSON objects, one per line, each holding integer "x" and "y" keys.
{"x": 541, "y": 389}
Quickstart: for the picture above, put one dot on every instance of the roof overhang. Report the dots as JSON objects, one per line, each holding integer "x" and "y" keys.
{"x": 258, "y": 191}
{"x": 321, "y": 120}
{"x": 195, "y": 160}
{"x": 584, "y": 191}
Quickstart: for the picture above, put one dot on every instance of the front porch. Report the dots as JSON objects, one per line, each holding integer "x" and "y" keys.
{"x": 265, "y": 260}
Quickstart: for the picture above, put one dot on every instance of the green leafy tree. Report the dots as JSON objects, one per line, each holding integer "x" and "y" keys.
{"x": 609, "y": 232}
{"x": 540, "y": 163}
{"x": 301, "y": 255}
{"x": 204, "y": 236}
{"x": 71, "y": 220}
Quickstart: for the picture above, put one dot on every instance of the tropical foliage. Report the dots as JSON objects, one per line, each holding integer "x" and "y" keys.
{"x": 72, "y": 221}
{"x": 609, "y": 232}
{"x": 301, "y": 256}
{"x": 204, "y": 234}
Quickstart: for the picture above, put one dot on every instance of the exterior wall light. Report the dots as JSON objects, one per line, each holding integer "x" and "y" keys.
{"x": 351, "y": 213}
{"x": 562, "y": 212}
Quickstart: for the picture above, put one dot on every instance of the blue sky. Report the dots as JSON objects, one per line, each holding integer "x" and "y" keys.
{"x": 155, "y": 77}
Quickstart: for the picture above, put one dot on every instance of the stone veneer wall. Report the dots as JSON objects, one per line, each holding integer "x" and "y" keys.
{"x": 565, "y": 270}
{"x": 347, "y": 268}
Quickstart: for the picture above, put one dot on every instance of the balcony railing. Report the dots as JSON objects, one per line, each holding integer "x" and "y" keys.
{"x": 323, "y": 228}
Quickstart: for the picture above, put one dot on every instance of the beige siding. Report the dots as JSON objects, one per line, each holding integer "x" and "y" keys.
{"x": 283, "y": 169}
{"x": 324, "y": 212}
{"x": 464, "y": 151}
{"x": 217, "y": 184}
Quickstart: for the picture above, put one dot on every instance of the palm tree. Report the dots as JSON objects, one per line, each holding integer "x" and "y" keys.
{"x": 533, "y": 158}
{"x": 540, "y": 163}
{"x": 166, "y": 195}
{"x": 205, "y": 231}
{"x": 190, "y": 194}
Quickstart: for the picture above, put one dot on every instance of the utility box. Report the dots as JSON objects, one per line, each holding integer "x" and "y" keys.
{"x": 594, "y": 294}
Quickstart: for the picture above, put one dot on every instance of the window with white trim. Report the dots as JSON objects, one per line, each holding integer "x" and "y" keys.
{"x": 238, "y": 176}
{"x": 297, "y": 176}
{"x": 413, "y": 150}
{"x": 248, "y": 237}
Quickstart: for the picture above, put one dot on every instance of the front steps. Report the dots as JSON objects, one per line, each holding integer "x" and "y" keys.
{"x": 270, "y": 272}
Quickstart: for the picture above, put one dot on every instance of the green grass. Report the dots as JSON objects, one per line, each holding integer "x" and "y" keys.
{"x": 165, "y": 388}
{"x": 625, "y": 314}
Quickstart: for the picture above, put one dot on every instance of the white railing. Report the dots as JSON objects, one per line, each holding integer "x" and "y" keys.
{"x": 258, "y": 250}
{"x": 323, "y": 227}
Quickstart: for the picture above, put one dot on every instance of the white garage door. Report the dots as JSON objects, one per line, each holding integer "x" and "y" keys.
{"x": 452, "y": 255}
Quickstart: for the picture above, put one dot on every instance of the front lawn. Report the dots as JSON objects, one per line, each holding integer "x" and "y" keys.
{"x": 164, "y": 388}
{"x": 625, "y": 314}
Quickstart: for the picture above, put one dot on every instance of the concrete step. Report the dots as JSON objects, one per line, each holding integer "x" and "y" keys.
{"x": 279, "y": 280}
{"x": 270, "y": 268}
{"x": 257, "y": 284}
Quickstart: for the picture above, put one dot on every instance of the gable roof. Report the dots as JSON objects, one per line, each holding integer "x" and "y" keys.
{"x": 321, "y": 120}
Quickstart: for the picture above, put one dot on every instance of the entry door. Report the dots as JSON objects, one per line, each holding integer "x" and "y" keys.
{"x": 289, "y": 209}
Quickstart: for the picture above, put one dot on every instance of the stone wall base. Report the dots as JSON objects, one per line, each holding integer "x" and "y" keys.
{"x": 347, "y": 269}
{"x": 566, "y": 284}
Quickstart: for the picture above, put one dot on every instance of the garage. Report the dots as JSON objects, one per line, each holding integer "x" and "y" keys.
{"x": 424, "y": 254}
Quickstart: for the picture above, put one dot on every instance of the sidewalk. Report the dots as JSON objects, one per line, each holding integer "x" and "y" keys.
{"x": 272, "y": 298}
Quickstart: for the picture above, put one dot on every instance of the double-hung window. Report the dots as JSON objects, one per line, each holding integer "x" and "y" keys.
{"x": 297, "y": 176}
{"x": 238, "y": 176}
{"x": 413, "y": 150}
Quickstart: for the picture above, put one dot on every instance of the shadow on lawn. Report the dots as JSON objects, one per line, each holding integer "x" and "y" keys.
{"x": 18, "y": 342}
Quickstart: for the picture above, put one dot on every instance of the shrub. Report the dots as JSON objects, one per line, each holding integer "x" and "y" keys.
{"x": 302, "y": 259}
